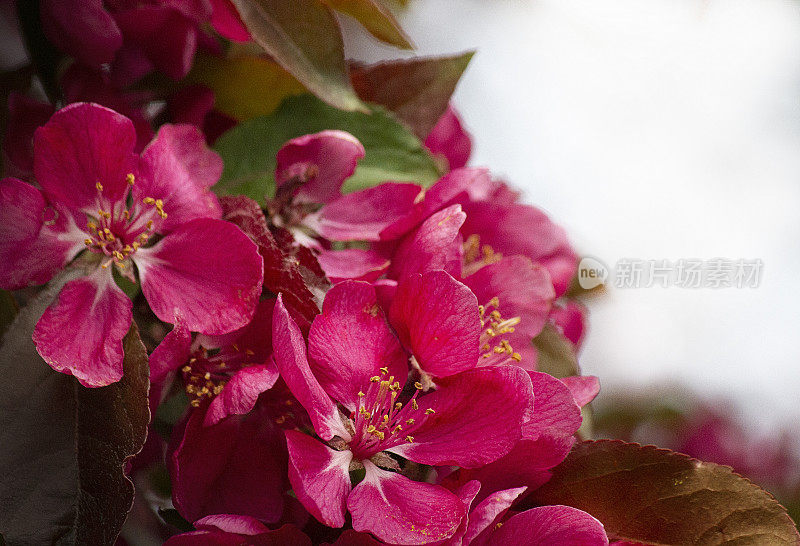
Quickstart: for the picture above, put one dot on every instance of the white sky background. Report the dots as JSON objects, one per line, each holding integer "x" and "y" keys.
{"x": 650, "y": 129}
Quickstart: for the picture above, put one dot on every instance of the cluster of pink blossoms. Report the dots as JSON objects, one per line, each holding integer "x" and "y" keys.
{"x": 406, "y": 408}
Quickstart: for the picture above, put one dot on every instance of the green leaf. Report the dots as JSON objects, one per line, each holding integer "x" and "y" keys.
{"x": 304, "y": 38}
{"x": 63, "y": 446}
{"x": 656, "y": 496}
{"x": 416, "y": 90}
{"x": 556, "y": 353}
{"x": 392, "y": 152}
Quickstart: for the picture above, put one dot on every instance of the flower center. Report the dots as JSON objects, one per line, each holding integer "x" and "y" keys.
{"x": 477, "y": 255}
{"x": 494, "y": 348}
{"x": 117, "y": 229}
{"x": 381, "y": 421}
{"x": 206, "y": 374}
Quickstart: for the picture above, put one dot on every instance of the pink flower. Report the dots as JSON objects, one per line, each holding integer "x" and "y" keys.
{"x": 230, "y": 370}
{"x": 351, "y": 382}
{"x": 154, "y": 211}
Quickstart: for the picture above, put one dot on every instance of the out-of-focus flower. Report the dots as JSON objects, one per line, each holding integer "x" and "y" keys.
{"x": 134, "y": 37}
{"x": 120, "y": 209}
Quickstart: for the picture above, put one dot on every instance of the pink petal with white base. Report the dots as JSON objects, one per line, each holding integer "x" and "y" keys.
{"x": 352, "y": 263}
{"x": 398, "y": 510}
{"x": 206, "y": 270}
{"x": 435, "y": 244}
{"x": 437, "y": 320}
{"x": 81, "y": 332}
{"x": 240, "y": 394}
{"x": 350, "y": 341}
{"x": 84, "y": 144}
{"x": 583, "y": 388}
{"x": 32, "y": 246}
{"x": 546, "y": 525}
{"x": 323, "y": 160}
{"x": 477, "y": 418}
{"x": 290, "y": 356}
{"x": 319, "y": 476}
{"x": 178, "y": 168}
{"x": 365, "y": 214}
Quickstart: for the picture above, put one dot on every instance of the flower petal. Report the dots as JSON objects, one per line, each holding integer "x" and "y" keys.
{"x": 81, "y": 332}
{"x": 325, "y": 160}
{"x": 225, "y": 20}
{"x": 583, "y": 388}
{"x": 206, "y": 270}
{"x": 81, "y": 145}
{"x": 171, "y": 353}
{"x": 398, "y": 510}
{"x": 467, "y": 494}
{"x": 571, "y": 321}
{"x": 290, "y": 355}
{"x": 319, "y": 476}
{"x": 364, "y": 214}
{"x": 449, "y": 139}
{"x": 555, "y": 412}
{"x": 436, "y": 318}
{"x": 33, "y": 248}
{"x": 491, "y": 509}
{"x": 352, "y": 263}
{"x": 235, "y": 467}
{"x": 241, "y": 392}
{"x": 478, "y": 418}
{"x": 350, "y": 341}
{"x": 435, "y": 244}
{"x": 241, "y": 525}
{"x": 178, "y": 168}
{"x": 562, "y": 525}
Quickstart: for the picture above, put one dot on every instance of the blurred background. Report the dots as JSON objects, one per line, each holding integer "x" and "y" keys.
{"x": 650, "y": 130}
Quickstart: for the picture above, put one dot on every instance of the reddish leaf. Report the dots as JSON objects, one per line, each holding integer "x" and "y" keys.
{"x": 656, "y": 496}
{"x": 304, "y": 38}
{"x": 62, "y": 445}
{"x": 417, "y": 90}
{"x": 288, "y": 269}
